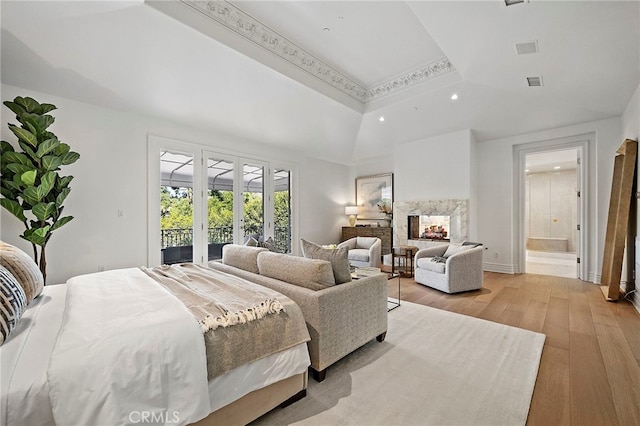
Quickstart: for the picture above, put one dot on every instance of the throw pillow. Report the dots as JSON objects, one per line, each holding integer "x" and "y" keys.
{"x": 268, "y": 244}
{"x": 337, "y": 258}
{"x": 251, "y": 242}
{"x": 455, "y": 249}
{"x": 23, "y": 268}
{"x": 471, "y": 243}
{"x": 13, "y": 301}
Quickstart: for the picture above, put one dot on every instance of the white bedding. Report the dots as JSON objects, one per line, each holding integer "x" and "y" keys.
{"x": 26, "y": 356}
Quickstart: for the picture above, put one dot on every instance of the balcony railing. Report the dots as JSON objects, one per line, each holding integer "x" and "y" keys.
{"x": 179, "y": 237}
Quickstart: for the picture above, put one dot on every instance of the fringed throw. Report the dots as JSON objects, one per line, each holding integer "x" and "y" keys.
{"x": 255, "y": 312}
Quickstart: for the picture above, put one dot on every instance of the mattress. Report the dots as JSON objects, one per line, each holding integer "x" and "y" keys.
{"x": 25, "y": 356}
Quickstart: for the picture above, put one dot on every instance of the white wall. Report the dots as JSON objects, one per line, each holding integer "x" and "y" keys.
{"x": 631, "y": 117}
{"x": 631, "y": 130}
{"x": 434, "y": 168}
{"x": 111, "y": 175}
{"x": 496, "y": 190}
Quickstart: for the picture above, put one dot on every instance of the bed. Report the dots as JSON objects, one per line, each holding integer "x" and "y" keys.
{"x": 117, "y": 347}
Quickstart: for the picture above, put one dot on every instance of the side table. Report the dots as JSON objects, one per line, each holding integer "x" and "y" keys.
{"x": 405, "y": 255}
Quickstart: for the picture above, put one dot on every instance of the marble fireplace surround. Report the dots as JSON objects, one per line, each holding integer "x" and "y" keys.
{"x": 457, "y": 209}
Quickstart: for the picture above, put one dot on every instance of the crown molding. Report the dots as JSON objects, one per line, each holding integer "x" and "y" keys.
{"x": 419, "y": 75}
{"x": 234, "y": 19}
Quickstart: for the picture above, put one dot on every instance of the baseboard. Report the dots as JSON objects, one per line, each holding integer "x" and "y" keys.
{"x": 498, "y": 267}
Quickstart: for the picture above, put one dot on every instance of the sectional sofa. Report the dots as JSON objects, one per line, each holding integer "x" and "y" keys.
{"x": 340, "y": 318}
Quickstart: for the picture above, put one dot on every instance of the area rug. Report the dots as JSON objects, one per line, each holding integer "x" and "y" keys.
{"x": 434, "y": 368}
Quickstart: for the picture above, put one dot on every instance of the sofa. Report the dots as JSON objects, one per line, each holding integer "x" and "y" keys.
{"x": 450, "y": 268}
{"x": 364, "y": 251}
{"x": 340, "y": 318}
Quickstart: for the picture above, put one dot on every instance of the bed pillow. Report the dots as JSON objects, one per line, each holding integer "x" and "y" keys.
{"x": 337, "y": 258}
{"x": 14, "y": 302}
{"x": 23, "y": 268}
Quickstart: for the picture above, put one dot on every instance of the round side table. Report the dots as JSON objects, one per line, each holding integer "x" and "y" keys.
{"x": 405, "y": 255}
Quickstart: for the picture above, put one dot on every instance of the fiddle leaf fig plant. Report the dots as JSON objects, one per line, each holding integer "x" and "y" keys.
{"x": 31, "y": 186}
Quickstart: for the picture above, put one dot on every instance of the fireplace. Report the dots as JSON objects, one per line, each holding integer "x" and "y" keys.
{"x": 428, "y": 227}
{"x": 455, "y": 209}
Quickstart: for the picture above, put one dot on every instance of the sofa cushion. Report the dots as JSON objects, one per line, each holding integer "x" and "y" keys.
{"x": 314, "y": 274}
{"x": 359, "y": 255}
{"x": 243, "y": 257}
{"x": 431, "y": 264}
{"x": 337, "y": 257}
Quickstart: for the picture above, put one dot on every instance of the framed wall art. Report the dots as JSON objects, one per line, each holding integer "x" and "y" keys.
{"x": 374, "y": 196}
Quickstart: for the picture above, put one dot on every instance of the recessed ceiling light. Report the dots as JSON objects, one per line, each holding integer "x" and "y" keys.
{"x": 454, "y": 97}
{"x": 556, "y": 167}
{"x": 381, "y": 118}
{"x": 526, "y": 170}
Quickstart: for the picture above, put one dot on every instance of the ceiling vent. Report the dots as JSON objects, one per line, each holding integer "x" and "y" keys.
{"x": 527, "y": 47}
{"x": 534, "y": 81}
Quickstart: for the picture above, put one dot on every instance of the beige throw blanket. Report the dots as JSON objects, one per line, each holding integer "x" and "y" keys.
{"x": 215, "y": 301}
{"x": 241, "y": 321}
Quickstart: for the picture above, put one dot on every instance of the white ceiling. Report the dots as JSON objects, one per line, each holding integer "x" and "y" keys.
{"x": 133, "y": 57}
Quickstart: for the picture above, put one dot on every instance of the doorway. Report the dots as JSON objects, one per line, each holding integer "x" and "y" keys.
{"x": 551, "y": 212}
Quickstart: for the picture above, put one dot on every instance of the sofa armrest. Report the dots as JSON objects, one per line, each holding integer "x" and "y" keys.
{"x": 348, "y": 316}
{"x": 430, "y": 252}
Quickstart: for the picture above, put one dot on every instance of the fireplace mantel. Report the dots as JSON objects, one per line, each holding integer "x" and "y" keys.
{"x": 458, "y": 209}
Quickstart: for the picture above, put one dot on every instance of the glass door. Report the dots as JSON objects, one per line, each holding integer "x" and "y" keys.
{"x": 207, "y": 199}
{"x": 220, "y": 203}
{"x": 282, "y": 208}
{"x": 176, "y": 207}
{"x": 253, "y": 200}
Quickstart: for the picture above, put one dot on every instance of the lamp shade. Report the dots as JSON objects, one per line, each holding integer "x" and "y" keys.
{"x": 349, "y": 210}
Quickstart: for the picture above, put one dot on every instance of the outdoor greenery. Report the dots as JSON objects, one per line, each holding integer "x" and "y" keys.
{"x": 32, "y": 189}
{"x": 176, "y": 210}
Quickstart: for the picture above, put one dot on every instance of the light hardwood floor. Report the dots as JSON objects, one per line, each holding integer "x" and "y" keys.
{"x": 590, "y": 368}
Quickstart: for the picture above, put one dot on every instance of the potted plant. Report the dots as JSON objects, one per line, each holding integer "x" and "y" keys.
{"x": 32, "y": 188}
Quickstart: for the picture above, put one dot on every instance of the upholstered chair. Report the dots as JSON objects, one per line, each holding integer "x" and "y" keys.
{"x": 451, "y": 268}
{"x": 364, "y": 251}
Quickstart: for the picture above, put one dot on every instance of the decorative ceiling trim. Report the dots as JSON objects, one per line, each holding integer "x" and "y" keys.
{"x": 255, "y": 31}
{"x": 419, "y": 75}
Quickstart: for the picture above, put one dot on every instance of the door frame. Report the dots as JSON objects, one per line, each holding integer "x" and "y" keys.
{"x": 580, "y": 142}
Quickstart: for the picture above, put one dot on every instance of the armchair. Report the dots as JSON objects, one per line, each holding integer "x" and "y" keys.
{"x": 364, "y": 251}
{"x": 459, "y": 267}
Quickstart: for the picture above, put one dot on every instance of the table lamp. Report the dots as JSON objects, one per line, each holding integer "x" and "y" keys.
{"x": 352, "y": 211}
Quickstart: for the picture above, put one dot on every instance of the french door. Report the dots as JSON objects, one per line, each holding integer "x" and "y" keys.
{"x": 207, "y": 199}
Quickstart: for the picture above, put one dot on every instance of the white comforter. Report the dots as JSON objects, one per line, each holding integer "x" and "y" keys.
{"x": 127, "y": 351}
